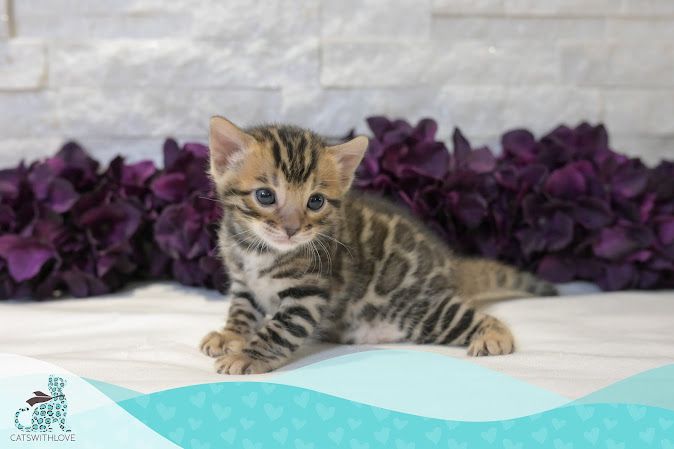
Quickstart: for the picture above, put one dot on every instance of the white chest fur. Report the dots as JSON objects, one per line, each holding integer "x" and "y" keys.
{"x": 265, "y": 289}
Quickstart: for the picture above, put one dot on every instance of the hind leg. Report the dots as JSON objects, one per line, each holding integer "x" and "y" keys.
{"x": 491, "y": 337}
{"x": 450, "y": 320}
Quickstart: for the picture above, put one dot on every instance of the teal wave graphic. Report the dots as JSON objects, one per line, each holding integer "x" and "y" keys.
{"x": 114, "y": 392}
{"x": 637, "y": 412}
{"x": 653, "y": 387}
{"x": 433, "y": 385}
{"x": 253, "y": 415}
{"x": 423, "y": 383}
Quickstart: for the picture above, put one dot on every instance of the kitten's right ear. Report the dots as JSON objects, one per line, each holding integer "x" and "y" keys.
{"x": 226, "y": 143}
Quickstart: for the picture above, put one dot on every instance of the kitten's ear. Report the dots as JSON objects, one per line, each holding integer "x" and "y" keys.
{"x": 348, "y": 155}
{"x": 226, "y": 143}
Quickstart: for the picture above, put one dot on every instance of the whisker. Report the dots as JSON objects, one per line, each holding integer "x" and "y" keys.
{"x": 215, "y": 200}
{"x": 336, "y": 241}
{"x": 327, "y": 253}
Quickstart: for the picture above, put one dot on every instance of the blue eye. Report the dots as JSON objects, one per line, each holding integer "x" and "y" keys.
{"x": 315, "y": 202}
{"x": 265, "y": 196}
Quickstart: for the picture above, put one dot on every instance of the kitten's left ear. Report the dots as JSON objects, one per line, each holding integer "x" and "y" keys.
{"x": 226, "y": 143}
{"x": 348, "y": 155}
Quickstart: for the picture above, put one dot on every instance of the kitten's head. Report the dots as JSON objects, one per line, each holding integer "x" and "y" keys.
{"x": 281, "y": 184}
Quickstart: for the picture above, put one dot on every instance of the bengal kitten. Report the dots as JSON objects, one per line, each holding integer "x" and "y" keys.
{"x": 308, "y": 258}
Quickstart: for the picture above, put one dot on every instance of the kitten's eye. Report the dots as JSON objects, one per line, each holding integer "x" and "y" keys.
{"x": 315, "y": 202}
{"x": 265, "y": 196}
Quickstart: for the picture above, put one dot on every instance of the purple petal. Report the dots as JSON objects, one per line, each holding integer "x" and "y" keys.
{"x": 556, "y": 269}
{"x": 170, "y": 187}
{"x": 425, "y": 130}
{"x": 481, "y": 160}
{"x": 591, "y": 213}
{"x": 531, "y": 240}
{"x": 83, "y": 284}
{"x": 647, "y": 207}
{"x": 75, "y": 165}
{"x": 7, "y": 242}
{"x": 41, "y": 177}
{"x": 379, "y": 125}
{"x": 136, "y": 174}
{"x": 630, "y": 181}
{"x": 461, "y": 148}
{"x": 519, "y": 144}
{"x": 567, "y": 182}
{"x": 62, "y": 196}
{"x": 111, "y": 224}
{"x": 614, "y": 243}
{"x": 531, "y": 175}
{"x": 558, "y": 232}
{"x": 471, "y": 209}
{"x": 171, "y": 153}
{"x": 188, "y": 272}
{"x": 198, "y": 150}
{"x": 25, "y": 257}
{"x": 617, "y": 276}
{"x": 591, "y": 139}
{"x": 666, "y": 231}
{"x": 10, "y": 180}
{"x": 430, "y": 159}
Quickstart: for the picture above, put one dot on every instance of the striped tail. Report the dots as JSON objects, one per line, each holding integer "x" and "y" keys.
{"x": 16, "y": 419}
{"x": 483, "y": 280}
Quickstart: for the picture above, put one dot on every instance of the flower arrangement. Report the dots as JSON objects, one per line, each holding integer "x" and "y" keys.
{"x": 67, "y": 228}
{"x": 565, "y": 206}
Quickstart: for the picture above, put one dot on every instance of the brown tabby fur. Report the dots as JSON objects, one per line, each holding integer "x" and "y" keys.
{"x": 358, "y": 270}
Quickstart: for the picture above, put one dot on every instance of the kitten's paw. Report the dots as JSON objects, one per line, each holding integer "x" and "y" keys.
{"x": 493, "y": 338}
{"x": 217, "y": 343}
{"x": 240, "y": 364}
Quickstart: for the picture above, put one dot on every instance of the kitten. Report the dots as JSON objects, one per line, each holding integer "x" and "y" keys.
{"x": 308, "y": 258}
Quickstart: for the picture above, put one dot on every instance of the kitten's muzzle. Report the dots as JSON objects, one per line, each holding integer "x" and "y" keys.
{"x": 291, "y": 230}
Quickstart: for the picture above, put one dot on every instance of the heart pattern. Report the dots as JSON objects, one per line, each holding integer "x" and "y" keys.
{"x": 540, "y": 435}
{"x": 336, "y": 435}
{"x": 273, "y": 412}
{"x": 382, "y": 435}
{"x": 254, "y": 415}
{"x": 281, "y": 435}
{"x": 434, "y": 435}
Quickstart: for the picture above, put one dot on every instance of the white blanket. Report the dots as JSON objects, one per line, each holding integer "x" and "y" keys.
{"x": 146, "y": 338}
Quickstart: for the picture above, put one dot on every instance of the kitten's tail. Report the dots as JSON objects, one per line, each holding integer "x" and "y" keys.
{"x": 484, "y": 280}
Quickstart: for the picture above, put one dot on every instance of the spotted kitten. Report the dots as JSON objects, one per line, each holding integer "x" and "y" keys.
{"x": 308, "y": 258}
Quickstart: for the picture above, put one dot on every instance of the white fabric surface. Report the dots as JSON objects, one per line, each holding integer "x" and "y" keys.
{"x": 146, "y": 338}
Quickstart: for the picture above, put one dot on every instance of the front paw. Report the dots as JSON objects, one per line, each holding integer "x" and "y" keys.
{"x": 240, "y": 363}
{"x": 224, "y": 342}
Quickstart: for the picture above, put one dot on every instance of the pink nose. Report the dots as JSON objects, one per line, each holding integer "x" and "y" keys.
{"x": 291, "y": 230}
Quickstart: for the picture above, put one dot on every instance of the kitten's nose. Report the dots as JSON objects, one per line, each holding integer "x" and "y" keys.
{"x": 291, "y": 230}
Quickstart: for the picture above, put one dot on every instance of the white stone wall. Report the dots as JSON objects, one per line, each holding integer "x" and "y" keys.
{"x": 121, "y": 75}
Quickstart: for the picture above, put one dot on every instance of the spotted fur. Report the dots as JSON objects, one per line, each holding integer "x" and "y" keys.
{"x": 359, "y": 270}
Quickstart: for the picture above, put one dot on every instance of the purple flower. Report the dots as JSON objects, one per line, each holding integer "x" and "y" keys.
{"x": 75, "y": 165}
{"x": 565, "y": 206}
{"x": 137, "y": 174}
{"x": 24, "y": 257}
{"x": 567, "y": 182}
{"x": 110, "y": 224}
{"x": 577, "y": 209}
{"x": 171, "y": 187}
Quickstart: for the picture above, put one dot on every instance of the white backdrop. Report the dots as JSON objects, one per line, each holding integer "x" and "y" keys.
{"x": 121, "y": 75}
